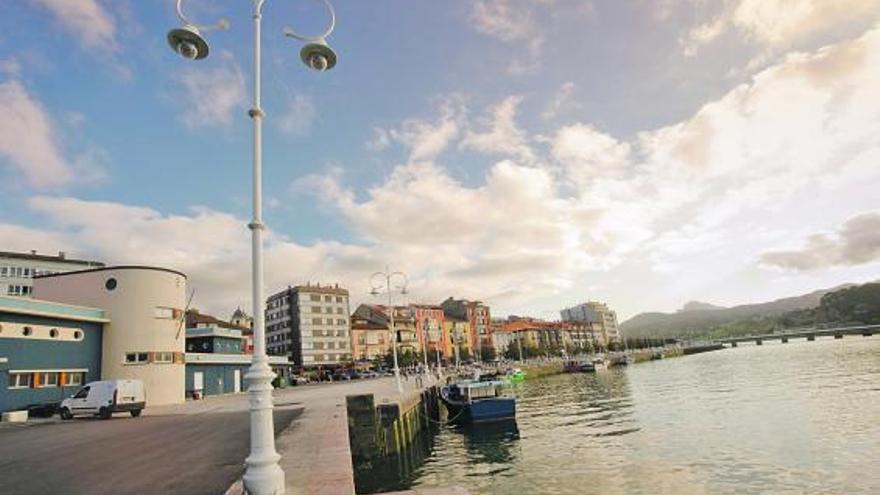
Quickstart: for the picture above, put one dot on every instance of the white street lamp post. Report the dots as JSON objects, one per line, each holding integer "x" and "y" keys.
{"x": 378, "y": 285}
{"x": 263, "y": 474}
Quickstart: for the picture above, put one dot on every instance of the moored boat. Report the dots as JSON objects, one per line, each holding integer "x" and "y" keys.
{"x": 516, "y": 375}
{"x": 578, "y": 367}
{"x": 478, "y": 401}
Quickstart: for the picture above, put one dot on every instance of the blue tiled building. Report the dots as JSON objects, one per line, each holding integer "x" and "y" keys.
{"x": 47, "y": 350}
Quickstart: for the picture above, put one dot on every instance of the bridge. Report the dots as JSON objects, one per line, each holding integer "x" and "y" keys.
{"x": 804, "y": 333}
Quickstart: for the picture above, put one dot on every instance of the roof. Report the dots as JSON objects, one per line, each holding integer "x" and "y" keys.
{"x": 60, "y": 257}
{"x": 50, "y": 309}
{"x": 194, "y": 318}
{"x": 311, "y": 289}
{"x": 230, "y": 333}
{"x": 120, "y": 267}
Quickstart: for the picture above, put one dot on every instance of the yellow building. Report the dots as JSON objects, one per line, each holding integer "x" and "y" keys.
{"x": 460, "y": 333}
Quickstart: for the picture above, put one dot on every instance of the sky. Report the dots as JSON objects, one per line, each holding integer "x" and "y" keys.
{"x": 532, "y": 154}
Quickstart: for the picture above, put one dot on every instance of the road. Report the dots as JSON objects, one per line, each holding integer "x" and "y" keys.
{"x": 192, "y": 454}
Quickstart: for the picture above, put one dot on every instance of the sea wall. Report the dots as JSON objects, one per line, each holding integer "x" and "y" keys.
{"x": 390, "y": 436}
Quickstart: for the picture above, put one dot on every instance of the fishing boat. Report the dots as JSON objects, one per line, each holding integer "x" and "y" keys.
{"x": 578, "y": 367}
{"x": 478, "y": 401}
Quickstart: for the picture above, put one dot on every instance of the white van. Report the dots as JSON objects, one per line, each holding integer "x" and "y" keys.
{"x": 105, "y": 398}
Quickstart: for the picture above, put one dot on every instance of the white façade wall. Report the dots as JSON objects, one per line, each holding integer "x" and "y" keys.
{"x": 144, "y": 305}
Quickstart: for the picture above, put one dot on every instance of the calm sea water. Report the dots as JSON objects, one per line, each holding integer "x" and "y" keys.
{"x": 802, "y": 417}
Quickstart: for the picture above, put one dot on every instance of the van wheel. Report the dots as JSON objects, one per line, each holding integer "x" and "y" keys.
{"x": 104, "y": 413}
{"x": 135, "y": 413}
{"x": 65, "y": 414}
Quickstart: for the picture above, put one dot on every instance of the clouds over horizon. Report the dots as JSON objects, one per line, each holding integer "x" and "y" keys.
{"x": 856, "y": 242}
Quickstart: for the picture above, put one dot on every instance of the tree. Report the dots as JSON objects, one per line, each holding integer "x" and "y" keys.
{"x": 488, "y": 353}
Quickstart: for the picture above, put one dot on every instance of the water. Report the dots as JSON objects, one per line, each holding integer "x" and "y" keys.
{"x": 802, "y": 417}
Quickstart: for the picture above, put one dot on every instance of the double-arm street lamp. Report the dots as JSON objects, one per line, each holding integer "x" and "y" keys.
{"x": 382, "y": 281}
{"x": 263, "y": 474}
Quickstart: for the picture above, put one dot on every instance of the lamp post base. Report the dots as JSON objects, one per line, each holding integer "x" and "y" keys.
{"x": 263, "y": 475}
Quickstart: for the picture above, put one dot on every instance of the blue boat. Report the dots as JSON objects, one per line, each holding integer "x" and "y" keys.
{"x": 477, "y": 402}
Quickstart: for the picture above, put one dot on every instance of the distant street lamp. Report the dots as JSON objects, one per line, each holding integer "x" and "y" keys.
{"x": 381, "y": 281}
{"x": 263, "y": 474}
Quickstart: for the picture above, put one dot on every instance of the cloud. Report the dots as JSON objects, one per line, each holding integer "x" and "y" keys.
{"x": 10, "y": 67}
{"x": 88, "y": 20}
{"x": 298, "y": 117}
{"x": 212, "y": 96}
{"x": 561, "y": 101}
{"x": 775, "y": 25}
{"x": 507, "y": 20}
{"x": 503, "y": 136}
{"x": 426, "y": 139}
{"x": 28, "y": 138}
{"x": 512, "y": 22}
{"x": 380, "y": 140}
{"x": 857, "y": 242}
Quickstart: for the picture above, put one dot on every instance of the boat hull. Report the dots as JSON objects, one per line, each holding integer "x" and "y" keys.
{"x": 481, "y": 410}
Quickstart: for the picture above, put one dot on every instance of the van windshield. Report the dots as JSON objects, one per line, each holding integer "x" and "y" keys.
{"x": 82, "y": 394}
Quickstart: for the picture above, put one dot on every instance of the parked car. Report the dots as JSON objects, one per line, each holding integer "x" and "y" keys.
{"x": 104, "y": 398}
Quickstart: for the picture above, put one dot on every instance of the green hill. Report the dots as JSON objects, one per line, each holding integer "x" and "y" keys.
{"x": 844, "y": 305}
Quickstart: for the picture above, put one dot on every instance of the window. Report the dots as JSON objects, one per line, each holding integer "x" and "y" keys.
{"x": 339, "y": 310}
{"x": 163, "y": 357}
{"x": 314, "y": 297}
{"x": 340, "y": 321}
{"x": 76, "y": 379}
{"x": 164, "y": 313}
{"x": 316, "y": 321}
{"x": 3, "y": 271}
{"x": 20, "y": 380}
{"x": 339, "y": 299}
{"x": 53, "y": 333}
{"x": 331, "y": 345}
{"x": 342, "y": 345}
{"x": 82, "y": 394}
{"x": 110, "y": 284}
{"x": 316, "y": 309}
{"x": 136, "y": 357}
{"x": 48, "y": 379}
{"x": 27, "y": 331}
{"x": 78, "y": 335}
{"x": 329, "y": 321}
{"x": 327, "y": 299}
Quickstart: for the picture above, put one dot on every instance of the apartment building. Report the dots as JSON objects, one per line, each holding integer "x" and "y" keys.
{"x": 17, "y": 270}
{"x": 430, "y": 327}
{"x": 595, "y": 312}
{"x": 310, "y": 323}
{"x": 478, "y": 317}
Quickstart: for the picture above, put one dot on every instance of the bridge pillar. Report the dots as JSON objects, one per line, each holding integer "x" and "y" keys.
{"x": 838, "y": 335}
{"x": 759, "y": 342}
{"x": 784, "y": 340}
{"x": 811, "y": 338}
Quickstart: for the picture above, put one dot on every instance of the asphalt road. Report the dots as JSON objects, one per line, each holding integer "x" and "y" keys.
{"x": 186, "y": 454}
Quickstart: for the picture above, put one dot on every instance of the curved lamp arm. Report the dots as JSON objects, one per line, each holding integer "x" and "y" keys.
{"x": 403, "y": 277}
{"x": 289, "y": 31}
{"x": 221, "y": 24}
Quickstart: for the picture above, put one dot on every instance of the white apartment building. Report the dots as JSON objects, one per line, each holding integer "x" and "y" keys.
{"x": 594, "y": 312}
{"x": 309, "y": 323}
{"x": 17, "y": 270}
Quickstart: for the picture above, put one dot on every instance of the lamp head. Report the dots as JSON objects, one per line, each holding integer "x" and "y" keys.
{"x": 374, "y": 292}
{"x": 318, "y": 55}
{"x": 188, "y": 42}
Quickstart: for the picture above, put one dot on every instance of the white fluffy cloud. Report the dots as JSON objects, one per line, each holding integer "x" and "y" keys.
{"x": 778, "y": 24}
{"x": 503, "y": 136}
{"x": 513, "y": 22}
{"x": 28, "y": 140}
